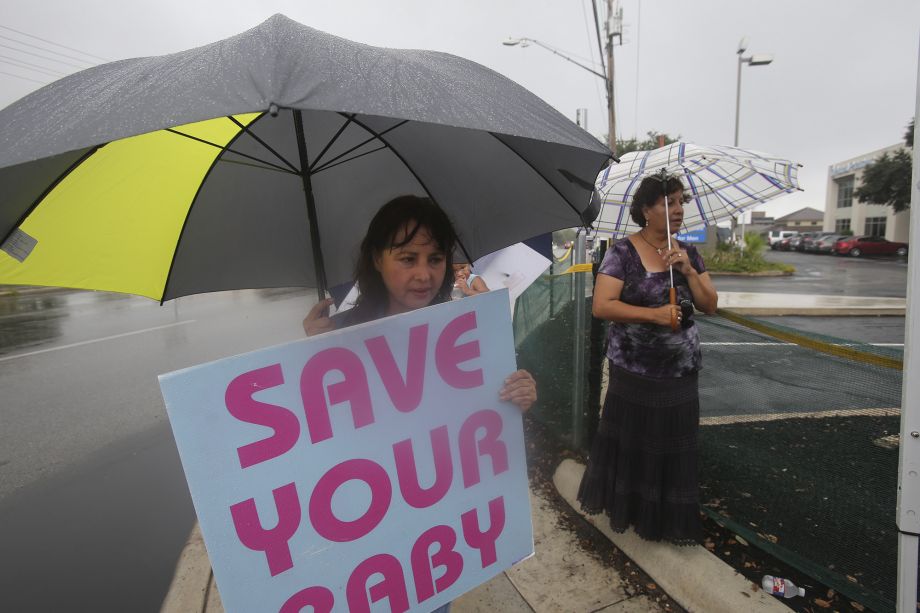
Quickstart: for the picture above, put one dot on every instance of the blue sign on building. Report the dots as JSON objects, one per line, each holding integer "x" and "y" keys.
{"x": 694, "y": 236}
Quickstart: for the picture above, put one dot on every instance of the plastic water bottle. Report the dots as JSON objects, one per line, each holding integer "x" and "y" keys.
{"x": 781, "y": 588}
{"x": 456, "y": 293}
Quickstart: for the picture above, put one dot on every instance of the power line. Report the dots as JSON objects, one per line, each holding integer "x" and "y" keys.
{"x": 51, "y": 42}
{"x": 40, "y": 48}
{"x": 19, "y": 76}
{"x": 597, "y": 87}
{"x": 50, "y": 59}
{"x": 21, "y": 64}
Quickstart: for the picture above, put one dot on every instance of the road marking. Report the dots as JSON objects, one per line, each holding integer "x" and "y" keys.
{"x": 736, "y": 419}
{"x": 95, "y": 340}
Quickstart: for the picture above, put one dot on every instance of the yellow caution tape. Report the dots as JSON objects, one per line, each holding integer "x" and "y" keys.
{"x": 579, "y": 268}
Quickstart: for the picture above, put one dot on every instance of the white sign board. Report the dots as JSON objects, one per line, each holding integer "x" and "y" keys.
{"x": 515, "y": 267}
{"x": 368, "y": 469}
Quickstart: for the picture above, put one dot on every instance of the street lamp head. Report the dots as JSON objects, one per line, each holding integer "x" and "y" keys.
{"x": 512, "y": 42}
{"x": 760, "y": 59}
{"x": 742, "y": 45}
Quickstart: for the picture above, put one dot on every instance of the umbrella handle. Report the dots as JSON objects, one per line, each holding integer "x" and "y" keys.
{"x": 672, "y": 298}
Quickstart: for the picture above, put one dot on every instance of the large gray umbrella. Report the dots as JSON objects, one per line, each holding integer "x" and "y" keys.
{"x": 257, "y": 161}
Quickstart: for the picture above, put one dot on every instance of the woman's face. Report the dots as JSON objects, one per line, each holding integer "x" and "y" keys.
{"x": 413, "y": 273}
{"x": 655, "y": 213}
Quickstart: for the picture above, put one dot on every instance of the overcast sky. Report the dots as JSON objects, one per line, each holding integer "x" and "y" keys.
{"x": 843, "y": 81}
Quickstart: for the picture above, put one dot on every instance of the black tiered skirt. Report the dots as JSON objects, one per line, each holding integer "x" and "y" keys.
{"x": 642, "y": 470}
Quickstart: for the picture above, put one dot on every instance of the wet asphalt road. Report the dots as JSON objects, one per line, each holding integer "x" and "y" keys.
{"x": 93, "y": 503}
{"x": 827, "y": 275}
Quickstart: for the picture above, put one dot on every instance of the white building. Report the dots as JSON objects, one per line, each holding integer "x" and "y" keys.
{"x": 842, "y": 211}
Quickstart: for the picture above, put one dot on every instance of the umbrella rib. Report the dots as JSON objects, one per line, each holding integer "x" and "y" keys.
{"x": 410, "y": 169}
{"x": 351, "y": 118}
{"x": 333, "y": 165}
{"x": 49, "y": 189}
{"x": 539, "y": 174}
{"x": 359, "y": 145}
{"x": 262, "y": 142}
{"x": 188, "y": 214}
{"x": 228, "y": 150}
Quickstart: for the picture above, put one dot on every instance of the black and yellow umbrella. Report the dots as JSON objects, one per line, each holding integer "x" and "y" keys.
{"x": 257, "y": 161}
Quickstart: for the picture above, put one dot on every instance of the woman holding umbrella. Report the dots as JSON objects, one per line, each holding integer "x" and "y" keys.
{"x": 642, "y": 470}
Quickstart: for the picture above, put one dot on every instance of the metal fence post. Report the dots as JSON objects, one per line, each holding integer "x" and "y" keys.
{"x": 578, "y": 357}
{"x": 908, "y": 512}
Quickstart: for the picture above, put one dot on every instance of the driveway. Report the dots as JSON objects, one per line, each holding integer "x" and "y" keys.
{"x": 826, "y": 275}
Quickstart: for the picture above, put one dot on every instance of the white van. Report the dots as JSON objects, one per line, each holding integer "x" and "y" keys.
{"x": 777, "y": 235}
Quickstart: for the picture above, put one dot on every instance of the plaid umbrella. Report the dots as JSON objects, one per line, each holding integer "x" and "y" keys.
{"x": 720, "y": 182}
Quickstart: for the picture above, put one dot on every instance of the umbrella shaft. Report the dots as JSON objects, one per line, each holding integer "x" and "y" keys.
{"x": 311, "y": 208}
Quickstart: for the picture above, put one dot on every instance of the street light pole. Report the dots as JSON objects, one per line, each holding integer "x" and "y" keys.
{"x": 759, "y": 59}
{"x": 608, "y": 78}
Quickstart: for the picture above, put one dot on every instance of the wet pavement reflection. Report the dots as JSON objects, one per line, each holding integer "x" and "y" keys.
{"x": 94, "y": 508}
{"x": 30, "y": 320}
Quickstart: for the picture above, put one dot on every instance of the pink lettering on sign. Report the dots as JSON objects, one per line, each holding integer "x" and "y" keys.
{"x": 407, "y": 472}
{"x": 489, "y": 445}
{"x": 423, "y": 563}
{"x": 273, "y": 542}
{"x": 485, "y": 541}
{"x": 449, "y": 355}
{"x": 353, "y": 390}
{"x": 324, "y": 520}
{"x": 318, "y": 598}
{"x": 392, "y": 586}
{"x": 405, "y": 393}
{"x": 240, "y": 403}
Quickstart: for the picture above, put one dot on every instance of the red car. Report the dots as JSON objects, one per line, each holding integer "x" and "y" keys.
{"x": 868, "y": 245}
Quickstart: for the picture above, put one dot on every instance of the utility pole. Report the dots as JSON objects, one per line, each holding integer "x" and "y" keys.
{"x": 613, "y": 28}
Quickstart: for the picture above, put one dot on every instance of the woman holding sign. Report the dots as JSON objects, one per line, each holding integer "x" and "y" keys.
{"x": 642, "y": 470}
{"x": 403, "y": 266}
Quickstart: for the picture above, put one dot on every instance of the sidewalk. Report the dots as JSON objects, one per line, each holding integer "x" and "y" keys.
{"x": 561, "y": 577}
{"x": 764, "y": 304}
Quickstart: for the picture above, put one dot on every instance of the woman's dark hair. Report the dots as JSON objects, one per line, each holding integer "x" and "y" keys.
{"x": 650, "y": 190}
{"x": 412, "y": 213}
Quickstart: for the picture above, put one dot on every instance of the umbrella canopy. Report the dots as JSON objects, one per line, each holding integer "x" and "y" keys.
{"x": 720, "y": 182}
{"x": 257, "y": 161}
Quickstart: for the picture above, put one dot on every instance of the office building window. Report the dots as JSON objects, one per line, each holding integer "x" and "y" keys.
{"x": 875, "y": 226}
{"x": 841, "y": 226}
{"x": 845, "y": 192}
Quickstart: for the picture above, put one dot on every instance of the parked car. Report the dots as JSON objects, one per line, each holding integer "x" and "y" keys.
{"x": 798, "y": 242}
{"x": 784, "y": 244}
{"x": 825, "y": 244}
{"x": 868, "y": 245}
{"x": 774, "y": 237}
{"x": 811, "y": 243}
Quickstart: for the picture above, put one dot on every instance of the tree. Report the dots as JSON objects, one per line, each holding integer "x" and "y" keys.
{"x": 887, "y": 179}
{"x": 651, "y": 142}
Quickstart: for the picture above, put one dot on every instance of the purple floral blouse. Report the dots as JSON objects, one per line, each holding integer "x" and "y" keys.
{"x": 649, "y": 349}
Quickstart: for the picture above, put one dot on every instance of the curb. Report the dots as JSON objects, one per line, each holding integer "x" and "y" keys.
{"x": 763, "y": 273}
{"x": 695, "y": 578}
{"x": 816, "y": 305}
{"x": 191, "y": 589}
{"x": 818, "y": 311}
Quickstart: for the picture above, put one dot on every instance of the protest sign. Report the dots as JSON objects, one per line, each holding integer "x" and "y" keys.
{"x": 368, "y": 469}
